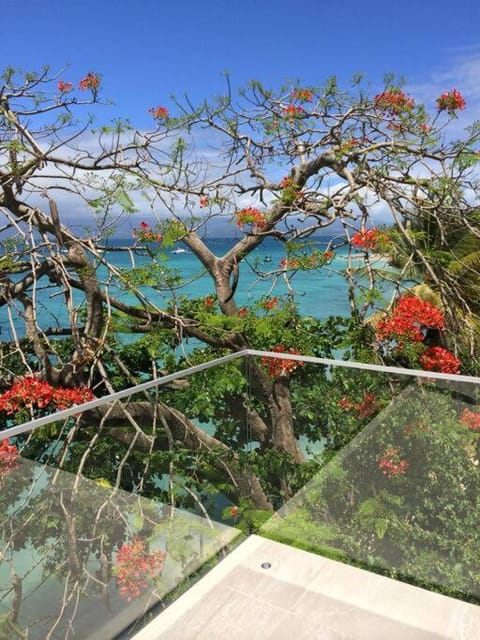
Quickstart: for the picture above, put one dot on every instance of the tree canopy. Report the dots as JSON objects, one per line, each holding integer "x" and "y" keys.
{"x": 282, "y": 164}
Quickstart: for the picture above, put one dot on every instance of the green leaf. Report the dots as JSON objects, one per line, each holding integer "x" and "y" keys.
{"x": 381, "y": 526}
{"x": 125, "y": 201}
{"x": 369, "y": 507}
{"x": 138, "y": 521}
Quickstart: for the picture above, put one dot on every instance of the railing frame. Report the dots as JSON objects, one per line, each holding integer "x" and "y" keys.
{"x": 27, "y": 427}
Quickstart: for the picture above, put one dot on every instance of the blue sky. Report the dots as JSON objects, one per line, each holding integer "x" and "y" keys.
{"x": 149, "y": 49}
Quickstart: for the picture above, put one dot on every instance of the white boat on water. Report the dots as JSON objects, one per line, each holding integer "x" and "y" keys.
{"x": 179, "y": 251}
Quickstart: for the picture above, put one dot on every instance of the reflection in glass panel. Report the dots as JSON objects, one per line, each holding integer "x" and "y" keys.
{"x": 119, "y": 507}
{"x": 397, "y": 483}
{"x": 112, "y": 511}
{"x": 83, "y": 559}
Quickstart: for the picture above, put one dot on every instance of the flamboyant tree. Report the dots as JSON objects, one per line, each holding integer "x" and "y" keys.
{"x": 277, "y": 164}
{"x": 280, "y": 164}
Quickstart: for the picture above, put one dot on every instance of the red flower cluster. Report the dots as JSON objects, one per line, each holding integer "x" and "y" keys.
{"x": 470, "y": 419}
{"x": 293, "y": 111}
{"x": 410, "y": 315}
{"x": 363, "y": 409}
{"x": 146, "y": 234}
{"x": 393, "y": 125}
{"x": 91, "y": 81}
{"x": 159, "y": 113}
{"x": 65, "y": 398}
{"x": 451, "y": 101}
{"x": 64, "y": 87}
{"x": 393, "y": 102}
{"x": 304, "y": 95}
{"x": 270, "y": 304}
{"x": 234, "y": 511}
{"x": 8, "y": 457}
{"x": 391, "y": 464}
{"x": 349, "y": 144}
{"x": 289, "y": 263}
{"x": 209, "y": 302}
{"x": 243, "y": 312}
{"x": 439, "y": 359}
{"x": 135, "y": 566}
{"x": 367, "y": 239}
{"x": 32, "y": 393}
{"x": 204, "y": 202}
{"x": 252, "y": 216}
{"x": 277, "y": 367}
{"x": 287, "y": 182}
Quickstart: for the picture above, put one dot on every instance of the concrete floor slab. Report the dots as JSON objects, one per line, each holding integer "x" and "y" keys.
{"x": 304, "y": 596}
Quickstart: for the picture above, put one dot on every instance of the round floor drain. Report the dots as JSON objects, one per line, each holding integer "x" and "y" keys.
{"x": 265, "y": 565}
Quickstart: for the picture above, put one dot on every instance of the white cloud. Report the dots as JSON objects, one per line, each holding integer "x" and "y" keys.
{"x": 462, "y": 72}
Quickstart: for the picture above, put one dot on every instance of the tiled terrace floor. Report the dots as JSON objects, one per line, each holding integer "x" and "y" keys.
{"x": 307, "y": 597}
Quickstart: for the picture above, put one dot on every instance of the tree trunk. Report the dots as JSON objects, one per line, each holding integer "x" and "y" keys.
{"x": 282, "y": 419}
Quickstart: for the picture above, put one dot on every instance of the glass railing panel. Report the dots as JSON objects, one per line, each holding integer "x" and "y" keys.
{"x": 113, "y": 509}
{"x": 391, "y": 474}
{"x": 119, "y": 507}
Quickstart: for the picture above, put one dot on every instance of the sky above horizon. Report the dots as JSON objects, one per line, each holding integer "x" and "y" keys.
{"x": 148, "y": 50}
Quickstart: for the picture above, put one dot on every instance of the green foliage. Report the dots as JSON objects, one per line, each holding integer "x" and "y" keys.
{"x": 217, "y": 393}
{"x": 378, "y": 512}
{"x": 173, "y": 231}
{"x": 247, "y": 517}
{"x": 298, "y": 532}
{"x": 157, "y": 276}
{"x": 412, "y": 524}
{"x": 113, "y": 192}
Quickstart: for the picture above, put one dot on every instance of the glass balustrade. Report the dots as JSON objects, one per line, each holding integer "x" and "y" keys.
{"x": 112, "y": 509}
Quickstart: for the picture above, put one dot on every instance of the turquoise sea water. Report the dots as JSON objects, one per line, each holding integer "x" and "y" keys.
{"x": 320, "y": 293}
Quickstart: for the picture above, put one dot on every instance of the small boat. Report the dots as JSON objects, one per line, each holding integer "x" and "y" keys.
{"x": 267, "y": 259}
{"x": 179, "y": 251}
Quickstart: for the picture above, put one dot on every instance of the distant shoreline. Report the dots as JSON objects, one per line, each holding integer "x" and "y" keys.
{"x": 373, "y": 257}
